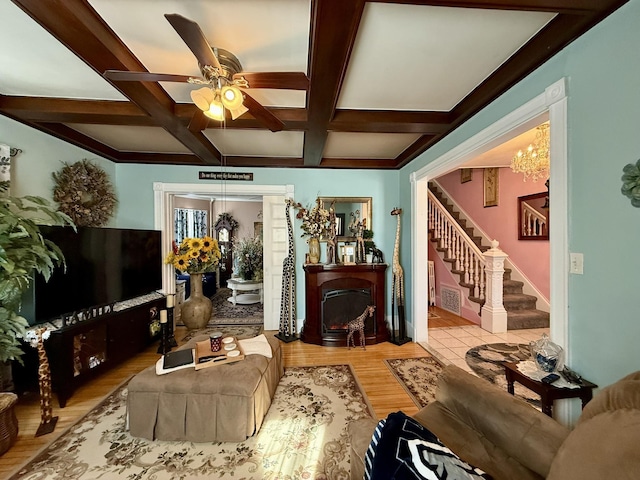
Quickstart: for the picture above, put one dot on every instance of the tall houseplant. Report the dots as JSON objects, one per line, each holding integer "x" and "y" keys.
{"x": 23, "y": 251}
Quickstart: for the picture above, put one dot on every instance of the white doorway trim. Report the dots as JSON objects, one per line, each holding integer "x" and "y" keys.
{"x": 164, "y": 194}
{"x": 551, "y": 105}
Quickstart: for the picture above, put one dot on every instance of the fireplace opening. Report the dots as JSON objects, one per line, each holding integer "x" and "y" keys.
{"x": 339, "y": 307}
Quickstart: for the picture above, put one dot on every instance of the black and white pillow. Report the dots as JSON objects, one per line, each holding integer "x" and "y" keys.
{"x": 402, "y": 449}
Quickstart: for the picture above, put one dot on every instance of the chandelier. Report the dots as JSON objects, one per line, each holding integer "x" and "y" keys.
{"x": 534, "y": 161}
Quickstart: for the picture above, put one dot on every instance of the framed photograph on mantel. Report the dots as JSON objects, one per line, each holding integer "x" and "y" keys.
{"x": 491, "y": 189}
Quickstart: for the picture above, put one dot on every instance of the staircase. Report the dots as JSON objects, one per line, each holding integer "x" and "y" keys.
{"x": 521, "y": 308}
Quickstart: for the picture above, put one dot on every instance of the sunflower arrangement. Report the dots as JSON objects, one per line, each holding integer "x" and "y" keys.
{"x": 195, "y": 255}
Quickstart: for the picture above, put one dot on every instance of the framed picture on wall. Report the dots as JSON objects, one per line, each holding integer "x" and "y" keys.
{"x": 466, "y": 174}
{"x": 491, "y": 187}
{"x": 257, "y": 229}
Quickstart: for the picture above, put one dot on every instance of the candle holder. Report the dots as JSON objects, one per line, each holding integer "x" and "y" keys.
{"x": 171, "y": 339}
{"x": 164, "y": 346}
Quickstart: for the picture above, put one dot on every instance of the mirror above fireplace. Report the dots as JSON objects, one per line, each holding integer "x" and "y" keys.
{"x": 348, "y": 211}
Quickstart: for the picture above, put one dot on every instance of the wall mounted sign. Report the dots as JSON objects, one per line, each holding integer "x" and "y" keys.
{"x": 243, "y": 176}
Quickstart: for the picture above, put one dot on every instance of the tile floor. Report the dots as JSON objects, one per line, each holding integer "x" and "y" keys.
{"x": 450, "y": 343}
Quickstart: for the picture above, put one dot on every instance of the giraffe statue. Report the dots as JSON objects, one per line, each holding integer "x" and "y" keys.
{"x": 287, "y": 329}
{"x": 358, "y": 325}
{"x": 398, "y": 285}
{"x": 47, "y": 420}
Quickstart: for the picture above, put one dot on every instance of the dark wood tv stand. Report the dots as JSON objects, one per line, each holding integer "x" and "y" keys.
{"x": 82, "y": 351}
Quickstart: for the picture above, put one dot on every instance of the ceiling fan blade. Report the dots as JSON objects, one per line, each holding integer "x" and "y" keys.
{"x": 261, "y": 114}
{"x": 192, "y": 35}
{"x": 126, "y": 76}
{"x": 280, "y": 80}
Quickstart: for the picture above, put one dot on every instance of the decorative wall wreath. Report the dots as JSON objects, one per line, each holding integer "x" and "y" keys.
{"x": 85, "y": 193}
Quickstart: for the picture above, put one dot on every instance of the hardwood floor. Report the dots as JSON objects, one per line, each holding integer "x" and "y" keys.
{"x": 385, "y": 394}
{"x": 440, "y": 318}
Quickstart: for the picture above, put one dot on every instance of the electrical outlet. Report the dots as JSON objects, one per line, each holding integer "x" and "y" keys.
{"x": 577, "y": 263}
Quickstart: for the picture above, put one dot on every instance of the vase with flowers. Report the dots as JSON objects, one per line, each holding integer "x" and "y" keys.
{"x": 315, "y": 221}
{"x": 195, "y": 256}
{"x": 248, "y": 252}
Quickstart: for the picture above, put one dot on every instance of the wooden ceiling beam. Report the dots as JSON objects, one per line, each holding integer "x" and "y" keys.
{"x": 62, "y": 110}
{"x": 269, "y": 162}
{"x": 74, "y": 137}
{"x": 575, "y": 7}
{"x": 387, "y": 121}
{"x": 334, "y": 25}
{"x": 351, "y": 163}
{"x": 77, "y": 26}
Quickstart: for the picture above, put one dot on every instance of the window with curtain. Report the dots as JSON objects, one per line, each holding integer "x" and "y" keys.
{"x": 189, "y": 222}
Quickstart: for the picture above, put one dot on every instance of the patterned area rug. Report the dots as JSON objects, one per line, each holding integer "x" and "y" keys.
{"x": 304, "y": 435}
{"x": 225, "y": 312}
{"x": 238, "y": 331}
{"x": 487, "y": 362}
{"x": 418, "y": 376}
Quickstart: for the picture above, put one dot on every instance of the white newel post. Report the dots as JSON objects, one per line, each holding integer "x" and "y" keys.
{"x": 494, "y": 316}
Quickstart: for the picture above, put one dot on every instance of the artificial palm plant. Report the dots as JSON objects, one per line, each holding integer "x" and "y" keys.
{"x": 23, "y": 251}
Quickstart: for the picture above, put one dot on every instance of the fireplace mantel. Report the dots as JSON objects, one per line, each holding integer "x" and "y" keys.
{"x": 322, "y": 281}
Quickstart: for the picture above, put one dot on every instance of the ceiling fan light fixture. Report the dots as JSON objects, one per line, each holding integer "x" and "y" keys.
{"x": 231, "y": 97}
{"x": 215, "y": 110}
{"x": 202, "y": 98}
{"x": 238, "y": 112}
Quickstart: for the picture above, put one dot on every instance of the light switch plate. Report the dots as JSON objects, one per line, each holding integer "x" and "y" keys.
{"x": 577, "y": 263}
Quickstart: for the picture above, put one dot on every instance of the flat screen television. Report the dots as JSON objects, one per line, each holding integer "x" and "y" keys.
{"x": 104, "y": 265}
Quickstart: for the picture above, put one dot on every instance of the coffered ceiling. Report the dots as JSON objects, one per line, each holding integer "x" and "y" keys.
{"x": 387, "y": 79}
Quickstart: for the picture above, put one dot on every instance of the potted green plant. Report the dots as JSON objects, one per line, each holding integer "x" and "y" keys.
{"x": 23, "y": 251}
{"x": 369, "y": 244}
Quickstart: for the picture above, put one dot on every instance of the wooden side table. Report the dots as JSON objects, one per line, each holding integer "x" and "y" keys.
{"x": 548, "y": 393}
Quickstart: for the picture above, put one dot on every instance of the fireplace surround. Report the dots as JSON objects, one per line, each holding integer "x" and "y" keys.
{"x": 337, "y": 294}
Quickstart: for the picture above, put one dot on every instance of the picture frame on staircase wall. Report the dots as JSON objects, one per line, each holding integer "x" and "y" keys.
{"x": 491, "y": 187}
{"x": 466, "y": 175}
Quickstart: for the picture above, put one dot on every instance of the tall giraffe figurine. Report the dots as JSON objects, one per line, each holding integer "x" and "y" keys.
{"x": 47, "y": 420}
{"x": 287, "y": 330}
{"x": 357, "y": 325}
{"x": 398, "y": 288}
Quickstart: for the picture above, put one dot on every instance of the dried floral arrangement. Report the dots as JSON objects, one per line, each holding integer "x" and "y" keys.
{"x": 84, "y": 192}
{"x": 315, "y": 220}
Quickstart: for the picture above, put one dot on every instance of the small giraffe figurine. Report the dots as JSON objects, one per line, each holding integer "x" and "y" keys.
{"x": 47, "y": 420}
{"x": 358, "y": 325}
{"x": 288, "y": 300}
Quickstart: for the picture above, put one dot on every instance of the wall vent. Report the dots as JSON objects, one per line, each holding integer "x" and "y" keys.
{"x": 451, "y": 299}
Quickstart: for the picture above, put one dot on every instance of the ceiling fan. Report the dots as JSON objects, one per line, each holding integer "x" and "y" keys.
{"x": 223, "y": 82}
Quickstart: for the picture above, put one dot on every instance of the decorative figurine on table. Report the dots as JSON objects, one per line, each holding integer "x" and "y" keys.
{"x": 332, "y": 239}
{"x": 361, "y": 256}
{"x": 357, "y": 325}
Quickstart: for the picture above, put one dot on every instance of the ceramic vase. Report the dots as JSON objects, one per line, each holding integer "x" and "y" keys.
{"x": 314, "y": 250}
{"x": 196, "y": 310}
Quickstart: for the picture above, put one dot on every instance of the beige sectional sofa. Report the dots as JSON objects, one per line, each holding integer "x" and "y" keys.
{"x": 510, "y": 440}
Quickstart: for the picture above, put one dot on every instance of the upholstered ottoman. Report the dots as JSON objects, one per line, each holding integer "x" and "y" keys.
{"x": 225, "y": 403}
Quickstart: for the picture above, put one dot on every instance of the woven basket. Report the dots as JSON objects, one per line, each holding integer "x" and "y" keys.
{"x": 8, "y": 421}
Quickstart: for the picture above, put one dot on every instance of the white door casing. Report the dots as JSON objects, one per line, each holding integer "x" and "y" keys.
{"x": 163, "y": 221}
{"x": 275, "y": 250}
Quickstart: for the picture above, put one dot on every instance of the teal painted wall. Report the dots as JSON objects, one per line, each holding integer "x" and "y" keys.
{"x": 43, "y": 154}
{"x": 603, "y": 73}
